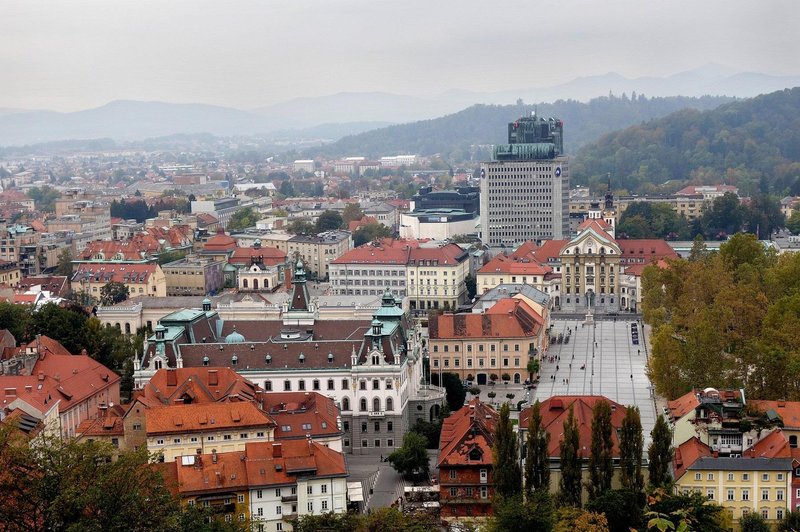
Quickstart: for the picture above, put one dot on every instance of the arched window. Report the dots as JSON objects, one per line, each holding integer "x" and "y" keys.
{"x": 516, "y": 378}
{"x": 157, "y": 364}
{"x": 244, "y": 283}
{"x": 127, "y": 328}
{"x": 376, "y": 405}
{"x": 255, "y": 284}
{"x": 346, "y": 403}
{"x": 389, "y": 404}
{"x": 363, "y": 405}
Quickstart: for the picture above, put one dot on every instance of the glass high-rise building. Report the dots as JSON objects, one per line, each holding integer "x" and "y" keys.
{"x": 525, "y": 188}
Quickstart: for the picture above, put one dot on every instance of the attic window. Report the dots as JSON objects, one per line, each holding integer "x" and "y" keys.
{"x": 475, "y": 455}
{"x": 234, "y": 360}
{"x": 205, "y": 361}
{"x": 268, "y": 359}
{"x": 330, "y": 357}
{"x": 302, "y": 358}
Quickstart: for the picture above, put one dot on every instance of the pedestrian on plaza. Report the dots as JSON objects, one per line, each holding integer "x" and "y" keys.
{"x": 631, "y": 376}
{"x": 556, "y": 367}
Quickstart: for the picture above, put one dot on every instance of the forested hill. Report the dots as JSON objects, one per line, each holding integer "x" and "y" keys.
{"x": 752, "y": 143}
{"x": 456, "y": 136}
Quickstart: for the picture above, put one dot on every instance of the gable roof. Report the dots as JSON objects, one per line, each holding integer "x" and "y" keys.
{"x": 687, "y": 454}
{"x": 773, "y": 445}
{"x": 789, "y": 411}
{"x": 683, "y": 405}
{"x": 650, "y": 249}
{"x": 99, "y": 272}
{"x": 555, "y": 411}
{"x": 200, "y": 384}
{"x": 302, "y": 413}
{"x": 470, "y": 427}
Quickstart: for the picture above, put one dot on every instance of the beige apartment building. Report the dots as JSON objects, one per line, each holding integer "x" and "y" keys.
{"x": 193, "y": 276}
{"x": 498, "y": 342}
{"x": 141, "y": 279}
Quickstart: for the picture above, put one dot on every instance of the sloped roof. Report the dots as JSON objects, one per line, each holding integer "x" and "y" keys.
{"x": 789, "y": 411}
{"x": 683, "y": 405}
{"x": 200, "y": 384}
{"x": 204, "y": 417}
{"x": 264, "y": 468}
{"x": 773, "y": 445}
{"x": 555, "y": 411}
{"x": 266, "y": 255}
{"x": 100, "y": 272}
{"x": 687, "y": 454}
{"x": 650, "y": 249}
{"x": 508, "y": 318}
{"x": 514, "y": 265}
{"x": 303, "y": 413}
{"x": 211, "y": 473}
{"x": 470, "y": 427}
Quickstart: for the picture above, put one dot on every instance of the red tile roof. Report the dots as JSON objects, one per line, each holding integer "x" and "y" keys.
{"x": 515, "y": 265}
{"x": 100, "y": 272}
{"x": 220, "y": 242}
{"x": 273, "y": 463}
{"x": 688, "y": 453}
{"x": 683, "y": 405}
{"x": 773, "y": 445}
{"x": 266, "y": 255}
{"x": 198, "y": 385}
{"x": 304, "y": 413}
{"x": 70, "y": 379}
{"x": 110, "y": 425}
{"x": 554, "y": 413}
{"x": 508, "y": 318}
{"x": 208, "y": 473}
{"x": 204, "y": 417}
{"x": 789, "y": 411}
{"x": 470, "y": 427}
{"x": 651, "y": 250}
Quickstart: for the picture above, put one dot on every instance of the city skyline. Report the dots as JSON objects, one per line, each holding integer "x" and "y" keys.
{"x": 68, "y": 57}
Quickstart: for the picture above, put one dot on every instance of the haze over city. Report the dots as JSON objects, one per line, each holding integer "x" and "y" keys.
{"x": 68, "y": 56}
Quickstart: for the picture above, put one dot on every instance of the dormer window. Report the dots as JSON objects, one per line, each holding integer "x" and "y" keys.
{"x": 234, "y": 360}
{"x": 302, "y": 358}
{"x": 268, "y": 359}
{"x": 475, "y": 455}
{"x": 330, "y": 358}
{"x": 205, "y": 361}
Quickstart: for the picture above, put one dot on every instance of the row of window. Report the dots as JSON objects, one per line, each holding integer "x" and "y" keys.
{"x": 481, "y": 362}
{"x": 376, "y": 404}
{"x": 469, "y": 491}
{"x": 365, "y": 443}
{"x": 765, "y": 477}
{"x": 377, "y": 426}
{"x": 492, "y": 348}
{"x": 195, "y": 439}
{"x": 330, "y": 384}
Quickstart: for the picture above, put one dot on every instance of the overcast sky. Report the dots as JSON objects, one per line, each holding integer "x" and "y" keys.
{"x": 74, "y": 54}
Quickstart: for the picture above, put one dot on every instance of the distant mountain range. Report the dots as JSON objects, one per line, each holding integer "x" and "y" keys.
{"x": 466, "y": 135}
{"x": 349, "y": 113}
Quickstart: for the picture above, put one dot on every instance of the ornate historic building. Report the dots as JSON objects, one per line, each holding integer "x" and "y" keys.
{"x": 371, "y": 368}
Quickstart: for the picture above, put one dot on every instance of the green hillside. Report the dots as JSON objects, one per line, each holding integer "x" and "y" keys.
{"x": 752, "y": 143}
{"x": 458, "y": 136}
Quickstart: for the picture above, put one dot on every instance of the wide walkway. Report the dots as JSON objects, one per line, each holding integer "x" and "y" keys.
{"x": 600, "y": 359}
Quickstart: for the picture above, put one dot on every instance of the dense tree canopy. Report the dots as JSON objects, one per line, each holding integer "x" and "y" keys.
{"x": 506, "y": 473}
{"x": 242, "y": 219}
{"x": 726, "y": 320}
{"x": 411, "y": 459}
{"x": 738, "y": 143}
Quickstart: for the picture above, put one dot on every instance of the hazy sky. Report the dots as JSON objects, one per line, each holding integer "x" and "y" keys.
{"x": 73, "y": 54}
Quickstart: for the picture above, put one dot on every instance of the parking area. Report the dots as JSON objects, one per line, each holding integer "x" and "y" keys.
{"x": 600, "y": 358}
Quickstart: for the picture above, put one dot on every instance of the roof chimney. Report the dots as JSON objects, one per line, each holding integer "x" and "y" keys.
{"x": 213, "y": 377}
{"x": 213, "y": 456}
{"x": 277, "y": 450}
{"x": 172, "y": 377}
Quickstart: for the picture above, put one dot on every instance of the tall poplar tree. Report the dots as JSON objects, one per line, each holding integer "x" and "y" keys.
{"x": 537, "y": 462}
{"x": 631, "y": 447}
{"x": 659, "y": 453}
{"x": 507, "y": 473}
{"x": 570, "y": 482}
{"x": 601, "y": 467}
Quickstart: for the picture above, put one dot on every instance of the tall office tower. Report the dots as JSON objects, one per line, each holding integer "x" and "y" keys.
{"x": 525, "y": 188}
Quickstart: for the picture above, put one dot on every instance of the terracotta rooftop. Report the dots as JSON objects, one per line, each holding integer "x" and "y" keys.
{"x": 204, "y": 417}
{"x": 789, "y": 411}
{"x": 555, "y": 411}
{"x": 275, "y": 463}
{"x": 508, "y": 318}
{"x": 220, "y": 242}
{"x": 773, "y": 445}
{"x": 515, "y": 265}
{"x": 99, "y": 272}
{"x": 209, "y": 473}
{"x": 687, "y": 454}
{"x": 683, "y": 405}
{"x": 649, "y": 249}
{"x": 198, "y": 385}
{"x": 469, "y": 428}
{"x": 266, "y": 255}
{"x": 301, "y": 414}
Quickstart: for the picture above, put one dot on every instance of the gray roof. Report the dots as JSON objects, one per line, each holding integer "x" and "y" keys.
{"x": 502, "y": 291}
{"x": 727, "y": 463}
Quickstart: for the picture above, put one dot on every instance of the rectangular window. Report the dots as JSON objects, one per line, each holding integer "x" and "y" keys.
{"x": 325, "y": 504}
{"x": 745, "y": 476}
{"x": 484, "y": 492}
{"x": 279, "y": 509}
{"x": 324, "y": 488}
{"x": 389, "y": 426}
{"x": 765, "y": 477}
{"x": 710, "y": 494}
{"x": 452, "y": 474}
{"x": 779, "y": 495}
{"x": 711, "y": 476}
{"x": 227, "y": 437}
{"x": 698, "y": 476}
{"x": 730, "y": 495}
{"x": 311, "y": 507}
{"x": 764, "y": 495}
{"x": 745, "y": 495}
{"x": 240, "y": 498}
{"x": 730, "y": 477}
{"x": 453, "y": 492}
{"x": 310, "y": 490}
{"x": 259, "y": 494}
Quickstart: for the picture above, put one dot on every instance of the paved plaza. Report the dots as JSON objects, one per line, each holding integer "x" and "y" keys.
{"x": 600, "y": 359}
